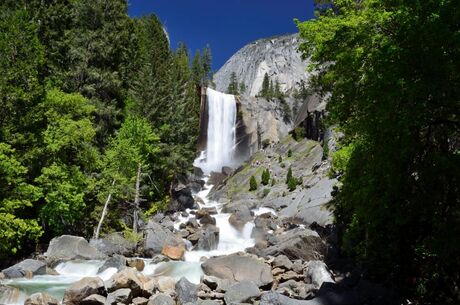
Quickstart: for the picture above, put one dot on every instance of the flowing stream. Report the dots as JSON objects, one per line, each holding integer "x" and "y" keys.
{"x": 220, "y": 145}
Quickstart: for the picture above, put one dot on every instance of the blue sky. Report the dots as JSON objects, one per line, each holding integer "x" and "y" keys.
{"x": 226, "y": 25}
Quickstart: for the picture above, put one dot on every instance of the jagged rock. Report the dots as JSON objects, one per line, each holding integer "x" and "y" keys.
{"x": 94, "y": 299}
{"x": 68, "y": 247}
{"x": 282, "y": 261}
{"x": 240, "y": 217}
{"x": 128, "y": 278}
{"x": 186, "y": 291}
{"x": 158, "y": 237}
{"x": 123, "y": 296}
{"x": 217, "y": 284}
{"x": 114, "y": 243}
{"x": 207, "y": 220}
{"x": 239, "y": 268}
{"x": 140, "y": 301}
{"x": 318, "y": 273}
{"x": 166, "y": 284}
{"x": 8, "y": 295}
{"x": 116, "y": 261}
{"x": 161, "y": 299}
{"x": 174, "y": 253}
{"x": 298, "y": 289}
{"x": 241, "y": 292}
{"x": 26, "y": 268}
{"x": 208, "y": 238}
{"x": 137, "y": 263}
{"x": 159, "y": 258}
{"x": 83, "y": 289}
{"x": 211, "y": 295}
{"x": 41, "y": 299}
{"x": 181, "y": 198}
{"x": 297, "y": 244}
{"x": 216, "y": 178}
{"x": 192, "y": 222}
{"x": 275, "y": 298}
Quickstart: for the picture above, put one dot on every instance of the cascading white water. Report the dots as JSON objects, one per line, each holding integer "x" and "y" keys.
{"x": 221, "y": 137}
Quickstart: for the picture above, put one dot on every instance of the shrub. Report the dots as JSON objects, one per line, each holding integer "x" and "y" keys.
{"x": 289, "y": 175}
{"x": 252, "y": 184}
{"x": 292, "y": 184}
{"x": 273, "y": 181}
{"x": 289, "y": 154}
{"x": 299, "y": 133}
{"x": 280, "y": 159}
{"x": 265, "y": 177}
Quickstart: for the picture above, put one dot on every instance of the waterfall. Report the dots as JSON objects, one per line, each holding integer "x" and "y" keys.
{"x": 221, "y": 138}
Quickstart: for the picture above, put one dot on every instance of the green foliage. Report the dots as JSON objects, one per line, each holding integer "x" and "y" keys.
{"x": 299, "y": 133}
{"x": 265, "y": 192}
{"x": 252, "y": 184}
{"x": 16, "y": 198}
{"x": 280, "y": 159}
{"x": 289, "y": 175}
{"x": 392, "y": 70}
{"x": 265, "y": 179}
{"x": 289, "y": 153}
{"x": 233, "y": 85}
{"x": 273, "y": 182}
{"x": 265, "y": 143}
{"x": 292, "y": 184}
{"x": 265, "y": 91}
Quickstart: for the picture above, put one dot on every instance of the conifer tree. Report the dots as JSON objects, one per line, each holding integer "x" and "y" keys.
{"x": 252, "y": 184}
{"x": 233, "y": 85}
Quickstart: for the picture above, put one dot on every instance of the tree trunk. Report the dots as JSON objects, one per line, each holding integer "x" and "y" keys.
{"x": 104, "y": 212}
{"x": 137, "y": 198}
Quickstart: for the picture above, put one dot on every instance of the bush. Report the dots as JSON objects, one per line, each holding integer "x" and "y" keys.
{"x": 289, "y": 175}
{"x": 299, "y": 133}
{"x": 252, "y": 184}
{"x": 280, "y": 159}
{"x": 289, "y": 154}
{"x": 265, "y": 143}
{"x": 292, "y": 184}
{"x": 265, "y": 177}
{"x": 273, "y": 181}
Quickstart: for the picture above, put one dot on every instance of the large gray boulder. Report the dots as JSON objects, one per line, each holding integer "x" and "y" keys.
{"x": 68, "y": 247}
{"x": 26, "y": 268}
{"x": 94, "y": 299}
{"x": 186, "y": 291}
{"x": 83, "y": 289}
{"x": 41, "y": 299}
{"x": 117, "y": 261}
{"x": 299, "y": 243}
{"x": 114, "y": 243}
{"x": 240, "y": 217}
{"x": 158, "y": 237}
{"x": 242, "y": 292}
{"x": 208, "y": 238}
{"x": 237, "y": 268}
{"x": 181, "y": 198}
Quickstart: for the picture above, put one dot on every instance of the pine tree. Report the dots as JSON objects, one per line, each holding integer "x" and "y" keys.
{"x": 197, "y": 69}
{"x": 242, "y": 88}
{"x": 206, "y": 61}
{"x": 233, "y": 85}
{"x": 289, "y": 175}
{"x": 264, "y": 92}
{"x": 252, "y": 184}
{"x": 265, "y": 179}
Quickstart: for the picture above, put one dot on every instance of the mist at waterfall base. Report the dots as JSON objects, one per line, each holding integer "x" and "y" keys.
{"x": 221, "y": 136}
{"x": 219, "y": 153}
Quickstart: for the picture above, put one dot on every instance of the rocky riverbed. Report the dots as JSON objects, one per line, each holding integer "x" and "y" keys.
{"x": 222, "y": 246}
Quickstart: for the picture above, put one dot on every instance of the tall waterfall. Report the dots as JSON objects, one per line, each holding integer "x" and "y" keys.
{"x": 221, "y": 139}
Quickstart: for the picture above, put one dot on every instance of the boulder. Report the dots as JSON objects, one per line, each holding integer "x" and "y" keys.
{"x": 166, "y": 284}
{"x": 239, "y": 268}
{"x": 26, "y": 268}
{"x": 275, "y": 298}
{"x": 68, "y": 247}
{"x": 83, "y": 289}
{"x": 136, "y": 263}
{"x": 208, "y": 238}
{"x": 123, "y": 296}
{"x": 114, "y": 243}
{"x": 157, "y": 237}
{"x": 242, "y": 292}
{"x": 128, "y": 278}
{"x": 117, "y": 261}
{"x": 41, "y": 299}
{"x": 186, "y": 291}
{"x": 9, "y": 295}
{"x": 318, "y": 273}
{"x": 161, "y": 299}
{"x": 208, "y": 302}
{"x": 174, "y": 253}
{"x": 282, "y": 261}
{"x": 240, "y": 217}
{"x": 216, "y": 178}
{"x": 298, "y": 243}
{"x": 181, "y": 198}
{"x": 94, "y": 299}
{"x": 207, "y": 220}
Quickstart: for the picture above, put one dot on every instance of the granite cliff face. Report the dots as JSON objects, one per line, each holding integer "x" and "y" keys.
{"x": 277, "y": 56}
